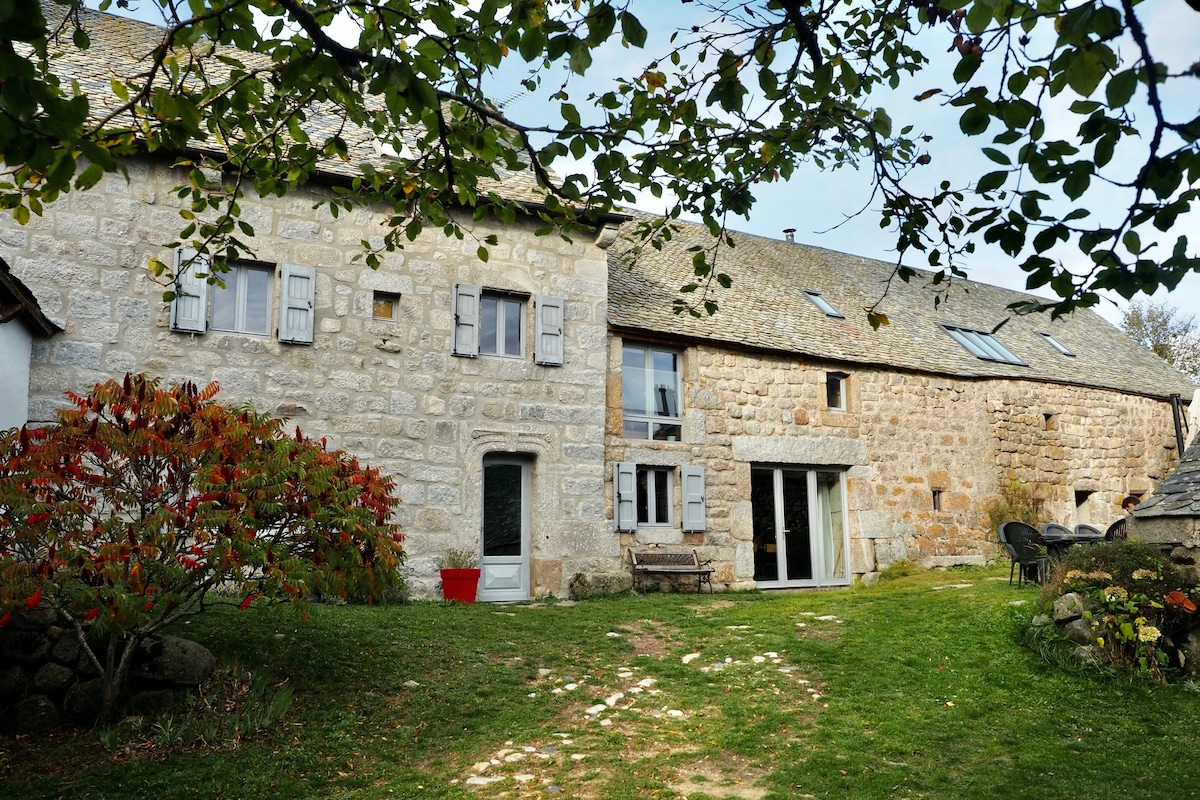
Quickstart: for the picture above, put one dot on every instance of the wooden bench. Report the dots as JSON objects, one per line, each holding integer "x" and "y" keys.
{"x": 661, "y": 562}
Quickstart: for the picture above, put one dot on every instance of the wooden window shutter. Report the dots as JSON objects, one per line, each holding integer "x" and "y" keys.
{"x": 466, "y": 320}
{"x": 297, "y": 293}
{"x": 549, "y": 349}
{"x": 694, "y": 516}
{"x": 625, "y": 496}
{"x": 189, "y": 309}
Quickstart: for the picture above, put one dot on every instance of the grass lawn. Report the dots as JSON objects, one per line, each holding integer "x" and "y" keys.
{"x": 912, "y": 688}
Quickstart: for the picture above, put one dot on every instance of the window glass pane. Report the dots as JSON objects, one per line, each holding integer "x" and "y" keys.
{"x": 636, "y": 429}
{"x": 833, "y": 391}
{"x": 662, "y": 503}
{"x": 666, "y": 381}
{"x": 384, "y": 306}
{"x": 633, "y": 381}
{"x": 487, "y": 325}
{"x": 512, "y": 327}
{"x": 831, "y": 520}
{"x": 643, "y": 496}
{"x": 257, "y": 286}
{"x": 224, "y": 302}
{"x": 668, "y": 433}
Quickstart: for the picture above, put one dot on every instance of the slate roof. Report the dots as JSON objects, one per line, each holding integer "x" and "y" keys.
{"x": 122, "y": 47}
{"x": 1179, "y": 493}
{"x": 18, "y": 303}
{"x": 767, "y": 308}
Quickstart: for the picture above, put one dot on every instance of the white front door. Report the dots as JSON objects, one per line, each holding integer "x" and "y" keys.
{"x": 505, "y": 561}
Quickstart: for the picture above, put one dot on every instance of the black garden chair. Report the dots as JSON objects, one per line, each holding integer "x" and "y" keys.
{"x": 1027, "y": 549}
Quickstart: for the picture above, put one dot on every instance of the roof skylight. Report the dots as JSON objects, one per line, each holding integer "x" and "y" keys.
{"x": 983, "y": 345}
{"x": 823, "y": 304}
{"x": 1056, "y": 344}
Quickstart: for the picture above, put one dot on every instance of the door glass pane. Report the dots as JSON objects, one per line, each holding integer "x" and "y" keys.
{"x": 832, "y": 521}
{"x": 762, "y": 509}
{"x": 795, "y": 523}
{"x": 502, "y": 496}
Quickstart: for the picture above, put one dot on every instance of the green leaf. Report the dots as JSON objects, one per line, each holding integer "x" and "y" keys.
{"x": 991, "y": 181}
{"x": 482, "y": 254}
{"x": 632, "y": 30}
{"x": 1120, "y": 88}
{"x": 998, "y": 156}
{"x": 974, "y": 121}
{"x": 966, "y": 67}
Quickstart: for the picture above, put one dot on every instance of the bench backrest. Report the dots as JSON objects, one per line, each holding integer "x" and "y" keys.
{"x": 651, "y": 558}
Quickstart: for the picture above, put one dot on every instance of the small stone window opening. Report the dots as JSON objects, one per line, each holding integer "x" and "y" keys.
{"x": 937, "y": 499}
{"x": 385, "y": 306}
{"x": 1083, "y": 512}
{"x": 835, "y": 390}
{"x": 1049, "y": 423}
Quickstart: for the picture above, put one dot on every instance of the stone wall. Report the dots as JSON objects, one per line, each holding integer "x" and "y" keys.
{"x": 390, "y": 392}
{"x": 902, "y": 436}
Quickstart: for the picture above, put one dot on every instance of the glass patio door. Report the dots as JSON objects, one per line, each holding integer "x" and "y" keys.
{"x": 799, "y": 527}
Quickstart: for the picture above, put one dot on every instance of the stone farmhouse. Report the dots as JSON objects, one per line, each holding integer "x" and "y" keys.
{"x": 548, "y": 409}
{"x": 793, "y": 445}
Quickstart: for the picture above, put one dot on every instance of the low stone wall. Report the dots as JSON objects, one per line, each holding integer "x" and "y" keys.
{"x": 46, "y": 678}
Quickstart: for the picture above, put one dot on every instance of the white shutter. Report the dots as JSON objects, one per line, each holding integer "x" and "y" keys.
{"x": 297, "y": 292}
{"x": 189, "y": 309}
{"x": 694, "y": 517}
{"x": 625, "y": 496}
{"x": 549, "y": 330}
{"x": 466, "y": 320}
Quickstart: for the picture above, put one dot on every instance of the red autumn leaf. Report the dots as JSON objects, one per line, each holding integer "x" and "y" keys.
{"x": 33, "y": 601}
{"x": 246, "y": 603}
{"x": 91, "y": 614}
{"x": 4, "y": 620}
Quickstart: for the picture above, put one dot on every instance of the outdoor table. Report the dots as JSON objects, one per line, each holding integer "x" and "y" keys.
{"x": 1058, "y": 543}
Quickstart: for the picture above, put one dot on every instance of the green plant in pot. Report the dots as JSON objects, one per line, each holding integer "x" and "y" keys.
{"x": 459, "y": 569}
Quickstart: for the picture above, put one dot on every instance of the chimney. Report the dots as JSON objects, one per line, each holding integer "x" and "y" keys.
{"x": 789, "y": 235}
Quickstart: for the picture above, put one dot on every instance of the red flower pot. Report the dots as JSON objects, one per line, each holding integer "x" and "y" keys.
{"x": 460, "y": 584}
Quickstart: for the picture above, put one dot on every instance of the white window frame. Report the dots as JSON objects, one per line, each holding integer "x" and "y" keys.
{"x": 630, "y": 495}
{"x": 658, "y": 425}
{"x": 393, "y": 298}
{"x": 1056, "y": 344}
{"x": 827, "y": 308}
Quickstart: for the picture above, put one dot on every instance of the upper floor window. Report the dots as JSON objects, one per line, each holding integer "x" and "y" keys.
{"x": 835, "y": 390}
{"x": 983, "y": 345}
{"x": 244, "y": 303}
{"x": 385, "y": 306}
{"x": 501, "y": 325}
{"x": 493, "y": 323}
{"x": 651, "y": 389}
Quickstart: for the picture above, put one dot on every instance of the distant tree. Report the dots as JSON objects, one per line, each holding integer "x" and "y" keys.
{"x": 144, "y": 505}
{"x": 1062, "y": 95}
{"x": 1167, "y": 331}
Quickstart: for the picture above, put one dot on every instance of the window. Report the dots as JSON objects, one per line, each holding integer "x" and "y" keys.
{"x": 826, "y": 307}
{"x": 982, "y": 345}
{"x": 493, "y": 323}
{"x": 653, "y": 496}
{"x": 243, "y": 304}
{"x": 937, "y": 499}
{"x": 1056, "y": 344}
{"x": 650, "y": 393}
{"x": 501, "y": 325}
{"x": 643, "y": 496}
{"x": 385, "y": 306}
{"x": 835, "y": 390}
